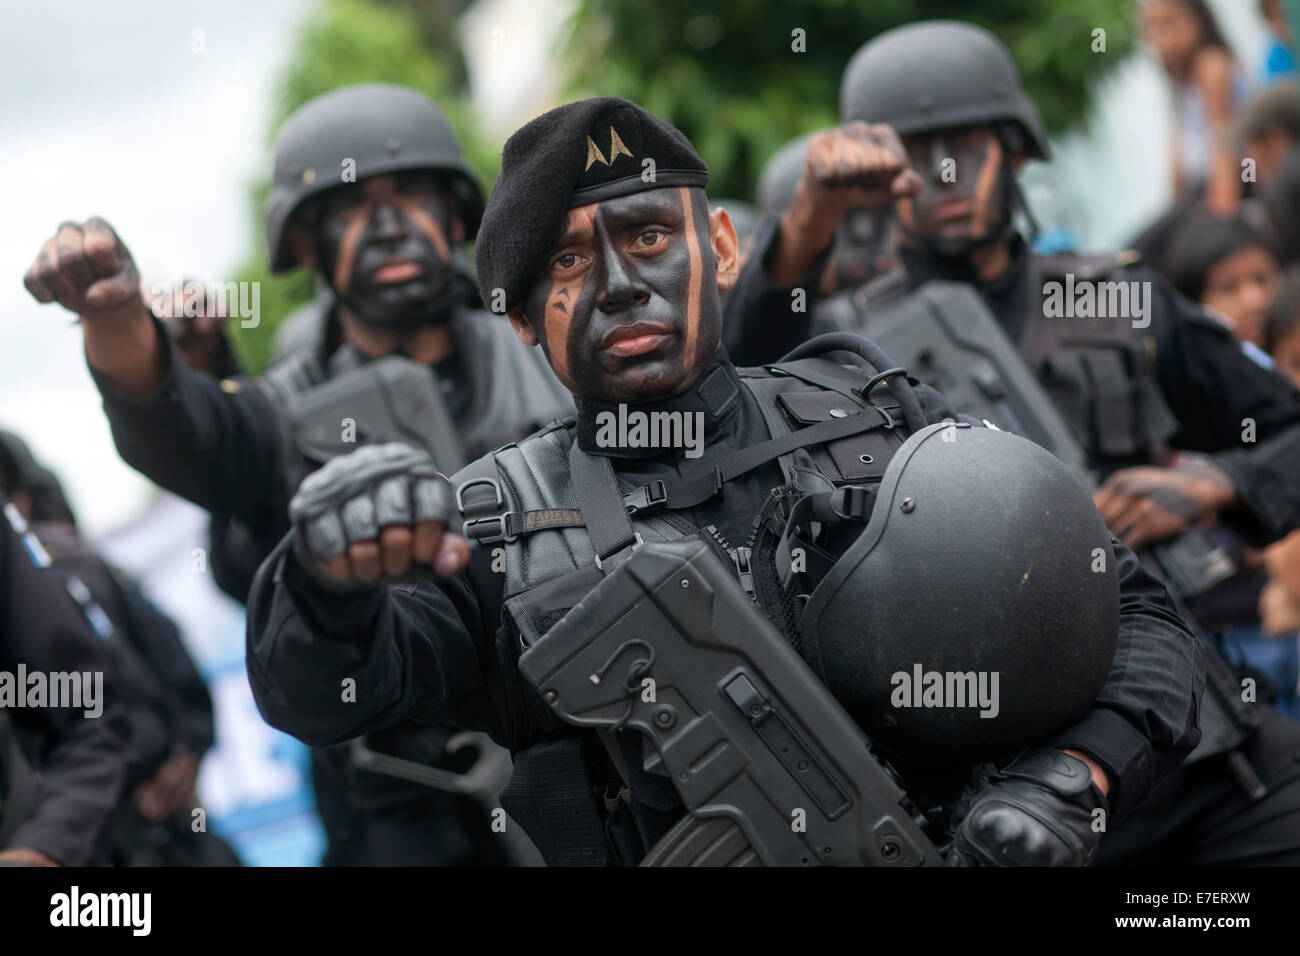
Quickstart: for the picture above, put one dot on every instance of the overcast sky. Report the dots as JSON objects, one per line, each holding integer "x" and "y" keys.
{"x": 110, "y": 109}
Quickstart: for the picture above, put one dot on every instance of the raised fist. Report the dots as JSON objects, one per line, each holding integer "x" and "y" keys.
{"x": 87, "y": 270}
{"x": 376, "y": 515}
{"x": 858, "y": 164}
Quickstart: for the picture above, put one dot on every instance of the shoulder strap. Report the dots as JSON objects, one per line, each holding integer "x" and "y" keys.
{"x": 601, "y": 504}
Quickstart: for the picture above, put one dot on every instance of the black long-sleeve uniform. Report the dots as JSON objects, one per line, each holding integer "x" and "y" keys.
{"x": 82, "y": 760}
{"x": 426, "y": 651}
{"x": 167, "y": 701}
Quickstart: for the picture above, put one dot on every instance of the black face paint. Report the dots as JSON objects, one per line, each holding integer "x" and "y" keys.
{"x": 384, "y": 252}
{"x": 964, "y": 203}
{"x": 629, "y": 309}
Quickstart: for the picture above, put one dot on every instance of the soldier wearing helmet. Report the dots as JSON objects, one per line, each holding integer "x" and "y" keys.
{"x": 1156, "y": 395}
{"x": 370, "y": 192}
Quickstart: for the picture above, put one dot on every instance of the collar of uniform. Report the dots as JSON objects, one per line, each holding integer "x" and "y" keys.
{"x": 716, "y": 393}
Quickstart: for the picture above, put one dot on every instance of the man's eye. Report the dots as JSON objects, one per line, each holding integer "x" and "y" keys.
{"x": 566, "y": 261}
{"x": 649, "y": 238}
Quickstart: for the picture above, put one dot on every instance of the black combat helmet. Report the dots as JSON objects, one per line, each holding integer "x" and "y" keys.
{"x": 936, "y": 75}
{"x": 983, "y": 556}
{"x": 379, "y": 128}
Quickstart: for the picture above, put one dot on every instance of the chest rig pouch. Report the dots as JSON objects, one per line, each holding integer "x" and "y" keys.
{"x": 571, "y": 795}
{"x": 1098, "y": 370}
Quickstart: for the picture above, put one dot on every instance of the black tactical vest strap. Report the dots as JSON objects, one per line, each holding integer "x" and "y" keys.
{"x": 601, "y": 504}
{"x": 606, "y": 510}
{"x": 703, "y": 484}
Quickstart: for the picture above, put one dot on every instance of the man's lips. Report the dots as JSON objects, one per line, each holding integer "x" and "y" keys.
{"x": 625, "y": 341}
{"x": 392, "y": 273}
{"x": 952, "y": 209}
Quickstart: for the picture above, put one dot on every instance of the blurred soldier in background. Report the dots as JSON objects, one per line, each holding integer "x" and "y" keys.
{"x": 168, "y": 706}
{"x": 61, "y": 771}
{"x": 1131, "y": 392}
{"x": 370, "y": 192}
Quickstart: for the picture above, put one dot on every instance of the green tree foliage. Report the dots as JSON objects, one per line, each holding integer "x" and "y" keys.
{"x": 410, "y": 42}
{"x": 727, "y": 76}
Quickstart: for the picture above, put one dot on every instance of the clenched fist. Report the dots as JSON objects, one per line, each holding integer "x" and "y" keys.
{"x": 87, "y": 270}
{"x": 852, "y": 166}
{"x": 857, "y": 164}
{"x": 376, "y": 515}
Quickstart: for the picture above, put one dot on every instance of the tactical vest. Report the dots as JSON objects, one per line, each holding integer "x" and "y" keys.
{"x": 513, "y": 392}
{"x": 521, "y": 498}
{"x": 1098, "y": 372}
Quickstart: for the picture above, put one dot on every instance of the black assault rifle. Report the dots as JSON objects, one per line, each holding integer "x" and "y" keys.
{"x": 771, "y": 769}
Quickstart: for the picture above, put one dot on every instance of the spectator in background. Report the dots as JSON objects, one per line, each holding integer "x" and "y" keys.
{"x": 1208, "y": 87}
{"x": 1279, "y": 61}
{"x": 1270, "y": 128}
{"x": 1279, "y": 602}
{"x": 1229, "y": 265}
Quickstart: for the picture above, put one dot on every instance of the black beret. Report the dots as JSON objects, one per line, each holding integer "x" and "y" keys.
{"x": 577, "y": 154}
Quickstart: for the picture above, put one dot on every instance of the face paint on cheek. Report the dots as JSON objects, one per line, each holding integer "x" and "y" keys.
{"x": 428, "y": 225}
{"x": 985, "y": 189}
{"x": 557, "y": 320}
{"x": 345, "y": 252}
{"x": 694, "y": 279}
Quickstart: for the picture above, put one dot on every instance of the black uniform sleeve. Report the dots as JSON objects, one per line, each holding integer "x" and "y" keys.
{"x": 215, "y": 447}
{"x": 326, "y": 667}
{"x": 762, "y": 322}
{"x": 82, "y": 760}
{"x": 152, "y": 733}
{"x": 1144, "y": 721}
{"x": 1244, "y": 415}
{"x": 157, "y": 640}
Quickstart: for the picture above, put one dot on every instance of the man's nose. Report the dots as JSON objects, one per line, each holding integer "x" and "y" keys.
{"x": 387, "y": 222}
{"x": 620, "y": 287}
{"x": 940, "y": 152}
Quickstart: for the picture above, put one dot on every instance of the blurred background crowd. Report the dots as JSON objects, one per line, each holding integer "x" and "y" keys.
{"x": 1175, "y": 126}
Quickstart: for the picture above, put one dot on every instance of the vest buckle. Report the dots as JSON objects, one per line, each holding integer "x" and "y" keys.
{"x": 649, "y": 497}
{"x": 479, "y": 530}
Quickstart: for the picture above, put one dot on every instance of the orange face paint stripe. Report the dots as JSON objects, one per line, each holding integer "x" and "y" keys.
{"x": 984, "y": 186}
{"x": 429, "y": 226}
{"x": 347, "y": 253}
{"x": 694, "y": 291}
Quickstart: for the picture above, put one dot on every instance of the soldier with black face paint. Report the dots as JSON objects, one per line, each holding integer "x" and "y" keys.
{"x": 370, "y": 192}
{"x": 1182, "y": 428}
{"x": 617, "y": 279}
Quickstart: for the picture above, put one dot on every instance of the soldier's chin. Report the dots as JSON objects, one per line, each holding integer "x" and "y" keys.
{"x": 404, "y": 313}
{"x": 645, "y": 382}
